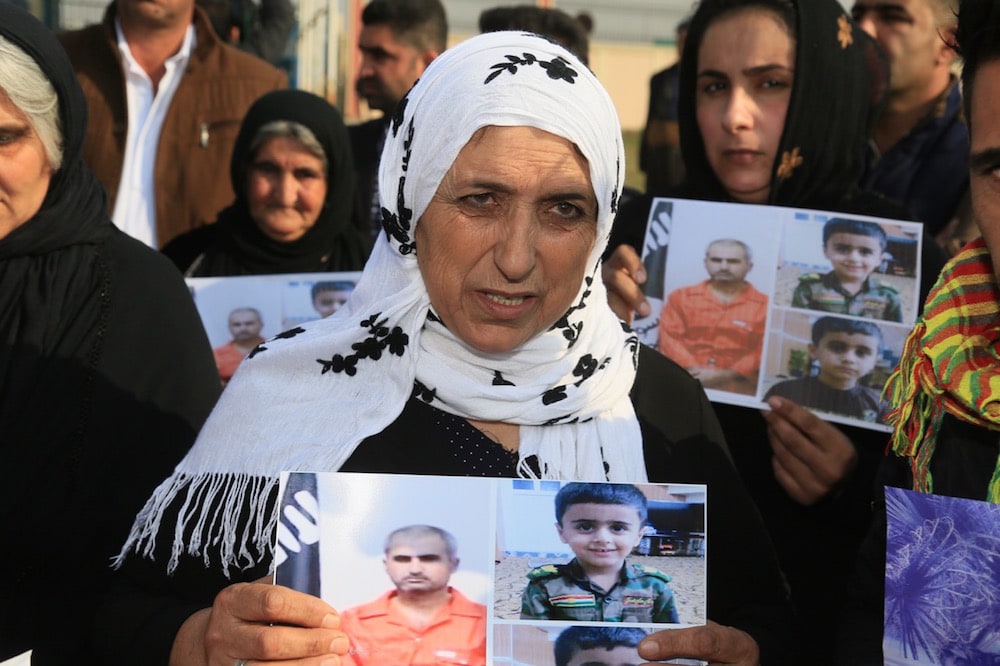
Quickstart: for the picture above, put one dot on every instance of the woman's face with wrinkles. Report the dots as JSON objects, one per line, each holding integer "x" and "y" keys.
{"x": 503, "y": 244}
{"x": 286, "y": 189}
{"x": 746, "y": 68}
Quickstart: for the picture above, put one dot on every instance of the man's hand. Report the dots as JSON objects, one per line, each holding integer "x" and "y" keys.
{"x": 714, "y": 643}
{"x": 811, "y": 457}
{"x": 261, "y": 622}
{"x": 623, "y": 273}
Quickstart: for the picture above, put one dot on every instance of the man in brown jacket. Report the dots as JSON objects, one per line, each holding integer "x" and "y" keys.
{"x": 177, "y": 157}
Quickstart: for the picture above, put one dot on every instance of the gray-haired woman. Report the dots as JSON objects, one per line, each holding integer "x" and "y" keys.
{"x": 295, "y": 209}
{"x": 105, "y": 371}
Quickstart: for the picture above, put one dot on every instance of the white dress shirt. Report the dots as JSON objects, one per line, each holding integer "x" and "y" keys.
{"x": 135, "y": 207}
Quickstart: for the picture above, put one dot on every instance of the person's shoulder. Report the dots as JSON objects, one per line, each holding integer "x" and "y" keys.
{"x": 658, "y": 375}
{"x": 754, "y": 294}
{"x": 85, "y": 35}
{"x": 876, "y": 286}
{"x": 953, "y": 115}
{"x": 955, "y": 140}
{"x": 140, "y": 262}
{"x": 86, "y": 46}
{"x": 655, "y": 367}
{"x": 690, "y": 289}
{"x": 376, "y": 607}
{"x": 463, "y": 605}
{"x": 214, "y": 57}
{"x": 373, "y": 126}
{"x": 144, "y": 281}
{"x": 645, "y": 571}
{"x": 660, "y": 78}
{"x": 185, "y": 248}
{"x": 629, "y": 227}
{"x": 873, "y": 395}
{"x": 364, "y": 138}
{"x": 235, "y": 79}
{"x": 869, "y": 202}
{"x": 149, "y": 299}
{"x": 241, "y": 68}
{"x": 872, "y": 409}
{"x": 686, "y": 416}
{"x": 810, "y": 278}
{"x": 248, "y": 64}
{"x": 636, "y": 208}
{"x": 783, "y": 388}
{"x": 681, "y": 298}
{"x": 544, "y": 572}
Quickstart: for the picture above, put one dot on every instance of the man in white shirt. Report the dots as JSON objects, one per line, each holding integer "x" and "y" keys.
{"x": 166, "y": 98}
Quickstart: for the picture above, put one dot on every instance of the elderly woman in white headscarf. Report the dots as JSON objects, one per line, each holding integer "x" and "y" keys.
{"x": 478, "y": 342}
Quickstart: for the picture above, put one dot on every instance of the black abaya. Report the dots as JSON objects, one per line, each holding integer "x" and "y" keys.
{"x": 105, "y": 377}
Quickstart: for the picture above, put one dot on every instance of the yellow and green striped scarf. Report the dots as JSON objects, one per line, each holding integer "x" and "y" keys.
{"x": 950, "y": 364}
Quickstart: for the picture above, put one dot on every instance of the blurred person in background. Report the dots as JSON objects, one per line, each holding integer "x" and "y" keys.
{"x": 919, "y": 149}
{"x": 660, "y": 150}
{"x": 398, "y": 39}
{"x": 549, "y": 21}
{"x": 261, "y": 28}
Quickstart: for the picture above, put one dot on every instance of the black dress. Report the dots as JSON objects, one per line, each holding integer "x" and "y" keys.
{"x": 105, "y": 378}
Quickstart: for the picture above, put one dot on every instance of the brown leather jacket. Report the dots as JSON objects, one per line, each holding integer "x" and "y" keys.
{"x": 196, "y": 143}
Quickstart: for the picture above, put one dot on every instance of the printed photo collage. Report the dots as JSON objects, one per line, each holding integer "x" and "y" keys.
{"x": 239, "y": 313}
{"x": 761, "y": 301}
{"x": 533, "y": 568}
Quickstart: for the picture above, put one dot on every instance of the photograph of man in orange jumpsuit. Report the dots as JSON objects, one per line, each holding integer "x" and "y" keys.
{"x": 715, "y": 329}
{"x": 245, "y": 325}
{"x": 423, "y": 621}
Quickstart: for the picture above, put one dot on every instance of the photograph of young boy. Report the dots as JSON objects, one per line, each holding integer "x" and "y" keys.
{"x": 598, "y": 646}
{"x": 846, "y": 351}
{"x": 601, "y": 523}
{"x": 330, "y": 296}
{"x": 855, "y": 249}
{"x": 575, "y": 645}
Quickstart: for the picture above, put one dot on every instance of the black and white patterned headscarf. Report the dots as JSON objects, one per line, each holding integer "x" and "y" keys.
{"x": 305, "y": 399}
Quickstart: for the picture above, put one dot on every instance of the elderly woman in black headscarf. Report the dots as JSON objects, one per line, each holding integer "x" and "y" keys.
{"x": 105, "y": 371}
{"x": 294, "y": 211}
{"x": 478, "y": 342}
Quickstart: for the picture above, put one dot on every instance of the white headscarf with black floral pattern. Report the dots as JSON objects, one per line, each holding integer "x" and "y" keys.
{"x": 305, "y": 399}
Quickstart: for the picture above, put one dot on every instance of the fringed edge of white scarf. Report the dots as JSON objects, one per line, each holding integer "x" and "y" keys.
{"x": 211, "y": 511}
